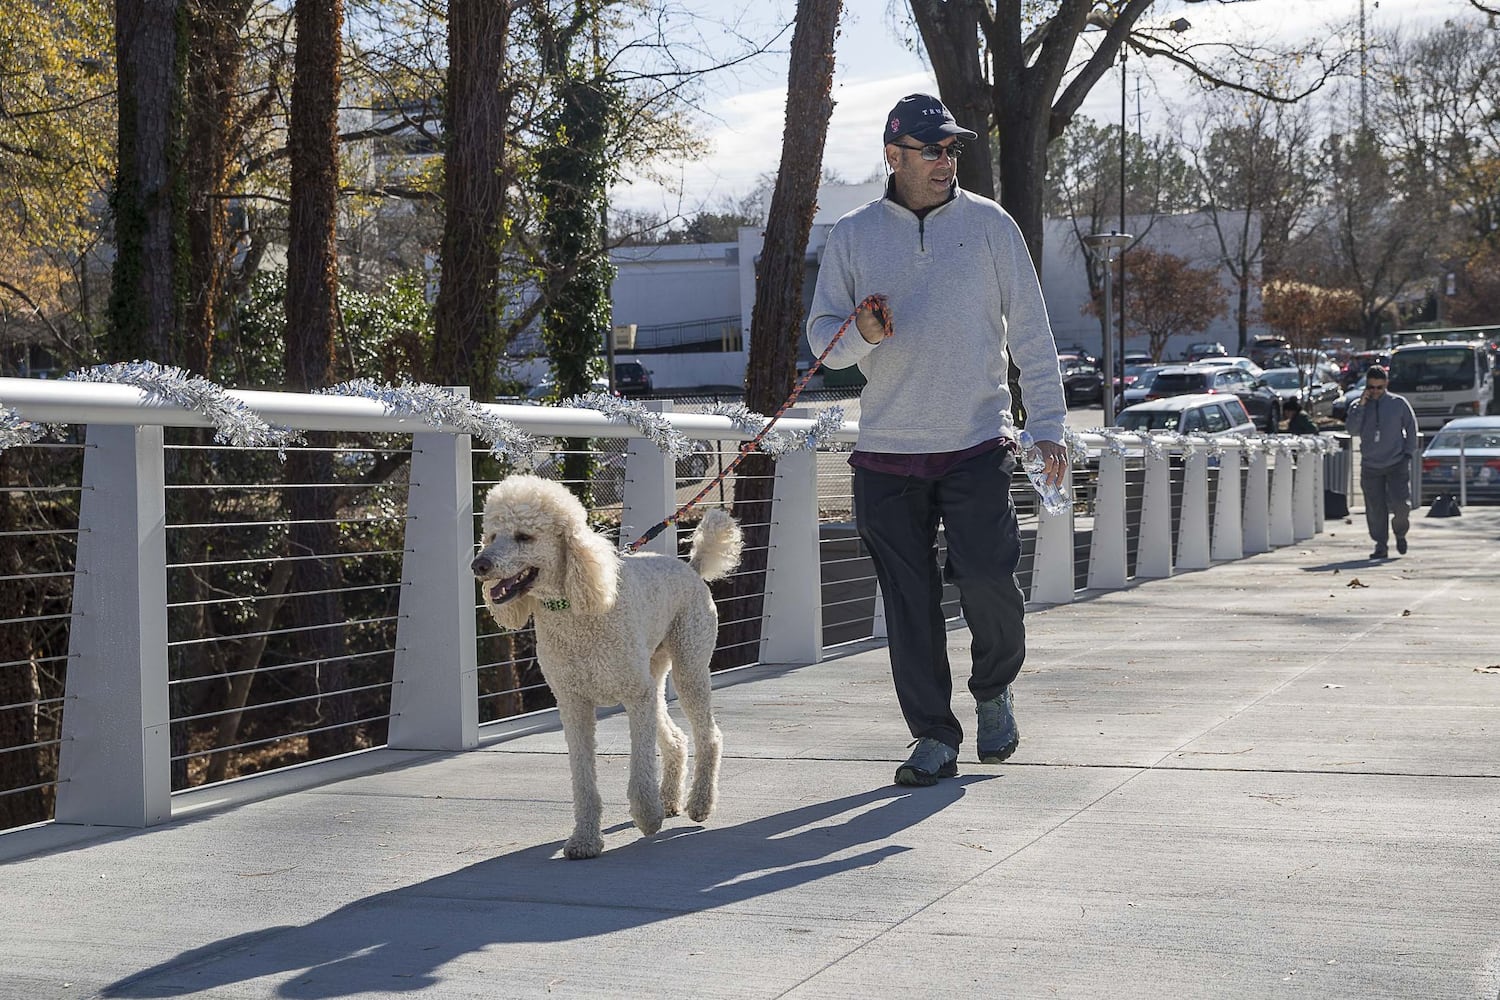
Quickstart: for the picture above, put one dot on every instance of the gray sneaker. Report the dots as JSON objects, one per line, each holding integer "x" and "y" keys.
{"x": 998, "y": 733}
{"x": 932, "y": 759}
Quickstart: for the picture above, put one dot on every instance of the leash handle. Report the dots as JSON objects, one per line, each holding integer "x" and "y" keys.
{"x": 876, "y": 304}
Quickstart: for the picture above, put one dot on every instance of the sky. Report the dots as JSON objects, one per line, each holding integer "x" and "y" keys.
{"x": 875, "y": 65}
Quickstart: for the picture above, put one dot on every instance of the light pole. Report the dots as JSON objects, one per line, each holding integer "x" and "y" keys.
{"x": 1177, "y": 27}
{"x": 1106, "y": 248}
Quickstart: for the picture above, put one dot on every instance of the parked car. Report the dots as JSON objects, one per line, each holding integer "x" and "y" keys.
{"x": 632, "y": 378}
{"x": 1354, "y": 368}
{"x": 1340, "y": 409}
{"x": 1229, "y": 361}
{"x": 1206, "y": 349}
{"x": 1262, "y": 349}
{"x": 1317, "y": 397}
{"x": 547, "y": 389}
{"x": 1480, "y": 438}
{"x": 1077, "y": 351}
{"x": 1259, "y": 399}
{"x": 1195, "y": 413}
{"x": 1083, "y": 382}
{"x": 1443, "y": 380}
{"x": 1135, "y": 391}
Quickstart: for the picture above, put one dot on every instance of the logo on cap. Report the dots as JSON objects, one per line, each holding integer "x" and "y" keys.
{"x": 895, "y": 125}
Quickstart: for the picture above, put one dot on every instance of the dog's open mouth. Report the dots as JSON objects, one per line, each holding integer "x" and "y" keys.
{"x": 513, "y": 586}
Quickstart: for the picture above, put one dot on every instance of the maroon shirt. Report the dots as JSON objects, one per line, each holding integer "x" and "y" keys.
{"x": 927, "y": 465}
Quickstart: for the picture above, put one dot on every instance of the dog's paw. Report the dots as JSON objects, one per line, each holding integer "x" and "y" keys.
{"x": 580, "y": 846}
{"x": 700, "y": 807}
{"x": 648, "y": 816}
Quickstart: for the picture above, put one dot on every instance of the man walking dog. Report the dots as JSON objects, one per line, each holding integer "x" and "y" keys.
{"x": 955, "y": 281}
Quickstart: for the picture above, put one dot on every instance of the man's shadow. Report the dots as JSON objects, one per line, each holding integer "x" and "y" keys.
{"x": 399, "y": 940}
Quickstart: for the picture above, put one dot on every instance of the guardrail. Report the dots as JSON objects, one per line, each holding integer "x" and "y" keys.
{"x": 125, "y": 730}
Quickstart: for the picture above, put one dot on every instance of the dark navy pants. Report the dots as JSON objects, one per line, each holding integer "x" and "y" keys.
{"x": 898, "y": 517}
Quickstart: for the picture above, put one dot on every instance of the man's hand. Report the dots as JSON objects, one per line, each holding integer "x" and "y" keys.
{"x": 1056, "y": 457}
{"x": 870, "y": 326}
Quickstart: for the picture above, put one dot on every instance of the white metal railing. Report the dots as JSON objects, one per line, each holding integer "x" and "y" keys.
{"x": 1170, "y": 501}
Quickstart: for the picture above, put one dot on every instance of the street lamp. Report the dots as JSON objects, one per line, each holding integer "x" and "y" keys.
{"x": 1106, "y": 249}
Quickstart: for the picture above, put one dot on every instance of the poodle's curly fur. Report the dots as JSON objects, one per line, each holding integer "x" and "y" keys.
{"x": 609, "y": 628}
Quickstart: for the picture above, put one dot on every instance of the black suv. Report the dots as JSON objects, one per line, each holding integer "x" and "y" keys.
{"x": 1262, "y": 402}
{"x": 632, "y": 378}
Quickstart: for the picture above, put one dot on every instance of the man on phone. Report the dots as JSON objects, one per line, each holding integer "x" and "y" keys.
{"x": 1387, "y": 431}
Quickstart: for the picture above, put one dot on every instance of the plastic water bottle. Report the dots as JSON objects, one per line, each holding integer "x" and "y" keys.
{"x": 1055, "y": 499}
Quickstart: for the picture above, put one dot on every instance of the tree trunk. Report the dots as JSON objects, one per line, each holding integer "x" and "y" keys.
{"x": 213, "y": 80}
{"x": 467, "y": 343}
{"x": 777, "y": 319}
{"x": 312, "y": 319}
{"x": 145, "y": 296}
{"x": 19, "y": 684}
{"x": 950, "y": 33}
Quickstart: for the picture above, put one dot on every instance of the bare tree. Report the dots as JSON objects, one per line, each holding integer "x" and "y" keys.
{"x": 1032, "y": 87}
{"x": 1256, "y": 166}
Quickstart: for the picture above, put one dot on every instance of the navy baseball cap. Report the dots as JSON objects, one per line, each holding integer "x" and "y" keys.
{"x": 924, "y": 118}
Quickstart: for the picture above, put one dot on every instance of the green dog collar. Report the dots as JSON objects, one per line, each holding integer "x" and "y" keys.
{"x": 554, "y": 603}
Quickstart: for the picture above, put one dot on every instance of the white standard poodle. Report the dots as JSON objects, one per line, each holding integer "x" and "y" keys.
{"x": 609, "y": 628}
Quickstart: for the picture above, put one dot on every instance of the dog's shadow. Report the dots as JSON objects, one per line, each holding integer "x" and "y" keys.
{"x": 398, "y": 941}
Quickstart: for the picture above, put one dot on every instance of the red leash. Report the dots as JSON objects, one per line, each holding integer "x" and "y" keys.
{"x": 877, "y": 307}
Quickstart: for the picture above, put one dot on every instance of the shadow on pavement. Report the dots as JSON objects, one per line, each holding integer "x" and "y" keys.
{"x": 399, "y": 940}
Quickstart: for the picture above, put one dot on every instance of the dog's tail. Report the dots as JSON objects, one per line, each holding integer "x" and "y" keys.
{"x": 716, "y": 545}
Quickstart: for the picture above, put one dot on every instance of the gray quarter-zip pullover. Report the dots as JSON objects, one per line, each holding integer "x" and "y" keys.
{"x": 964, "y": 297}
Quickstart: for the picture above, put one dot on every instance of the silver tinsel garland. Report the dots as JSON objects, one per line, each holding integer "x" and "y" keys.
{"x": 1150, "y": 445}
{"x": 1113, "y": 442}
{"x": 15, "y": 432}
{"x": 777, "y": 443}
{"x": 1078, "y": 451}
{"x": 435, "y": 405}
{"x": 655, "y": 427}
{"x": 234, "y": 422}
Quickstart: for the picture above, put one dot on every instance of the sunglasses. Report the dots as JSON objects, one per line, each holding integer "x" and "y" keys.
{"x": 932, "y": 151}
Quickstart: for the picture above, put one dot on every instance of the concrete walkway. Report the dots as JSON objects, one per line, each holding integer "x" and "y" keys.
{"x": 1276, "y": 777}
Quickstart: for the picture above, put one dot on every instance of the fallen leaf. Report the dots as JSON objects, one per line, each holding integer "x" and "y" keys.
{"x": 1406, "y": 612}
{"x": 1493, "y": 668}
{"x": 1357, "y": 584}
{"x": 1326, "y": 686}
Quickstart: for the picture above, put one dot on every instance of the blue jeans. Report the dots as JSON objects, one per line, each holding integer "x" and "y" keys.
{"x": 898, "y": 517}
{"x": 1387, "y": 498}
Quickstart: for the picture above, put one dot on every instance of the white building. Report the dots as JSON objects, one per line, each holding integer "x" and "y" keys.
{"x": 684, "y": 310}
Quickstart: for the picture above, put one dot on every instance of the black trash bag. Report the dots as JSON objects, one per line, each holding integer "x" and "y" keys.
{"x": 1445, "y": 505}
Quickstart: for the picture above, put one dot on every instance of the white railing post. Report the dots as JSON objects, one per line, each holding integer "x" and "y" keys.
{"x": 1052, "y": 558}
{"x": 1153, "y": 555}
{"x": 793, "y": 628}
{"x": 1281, "y": 497}
{"x": 1257, "y": 502}
{"x": 1320, "y": 488}
{"x": 435, "y": 694}
{"x": 1303, "y": 485}
{"x": 649, "y": 492}
{"x": 114, "y": 767}
{"x": 1192, "y": 535}
{"x": 1228, "y": 530}
{"x": 1107, "y": 562}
